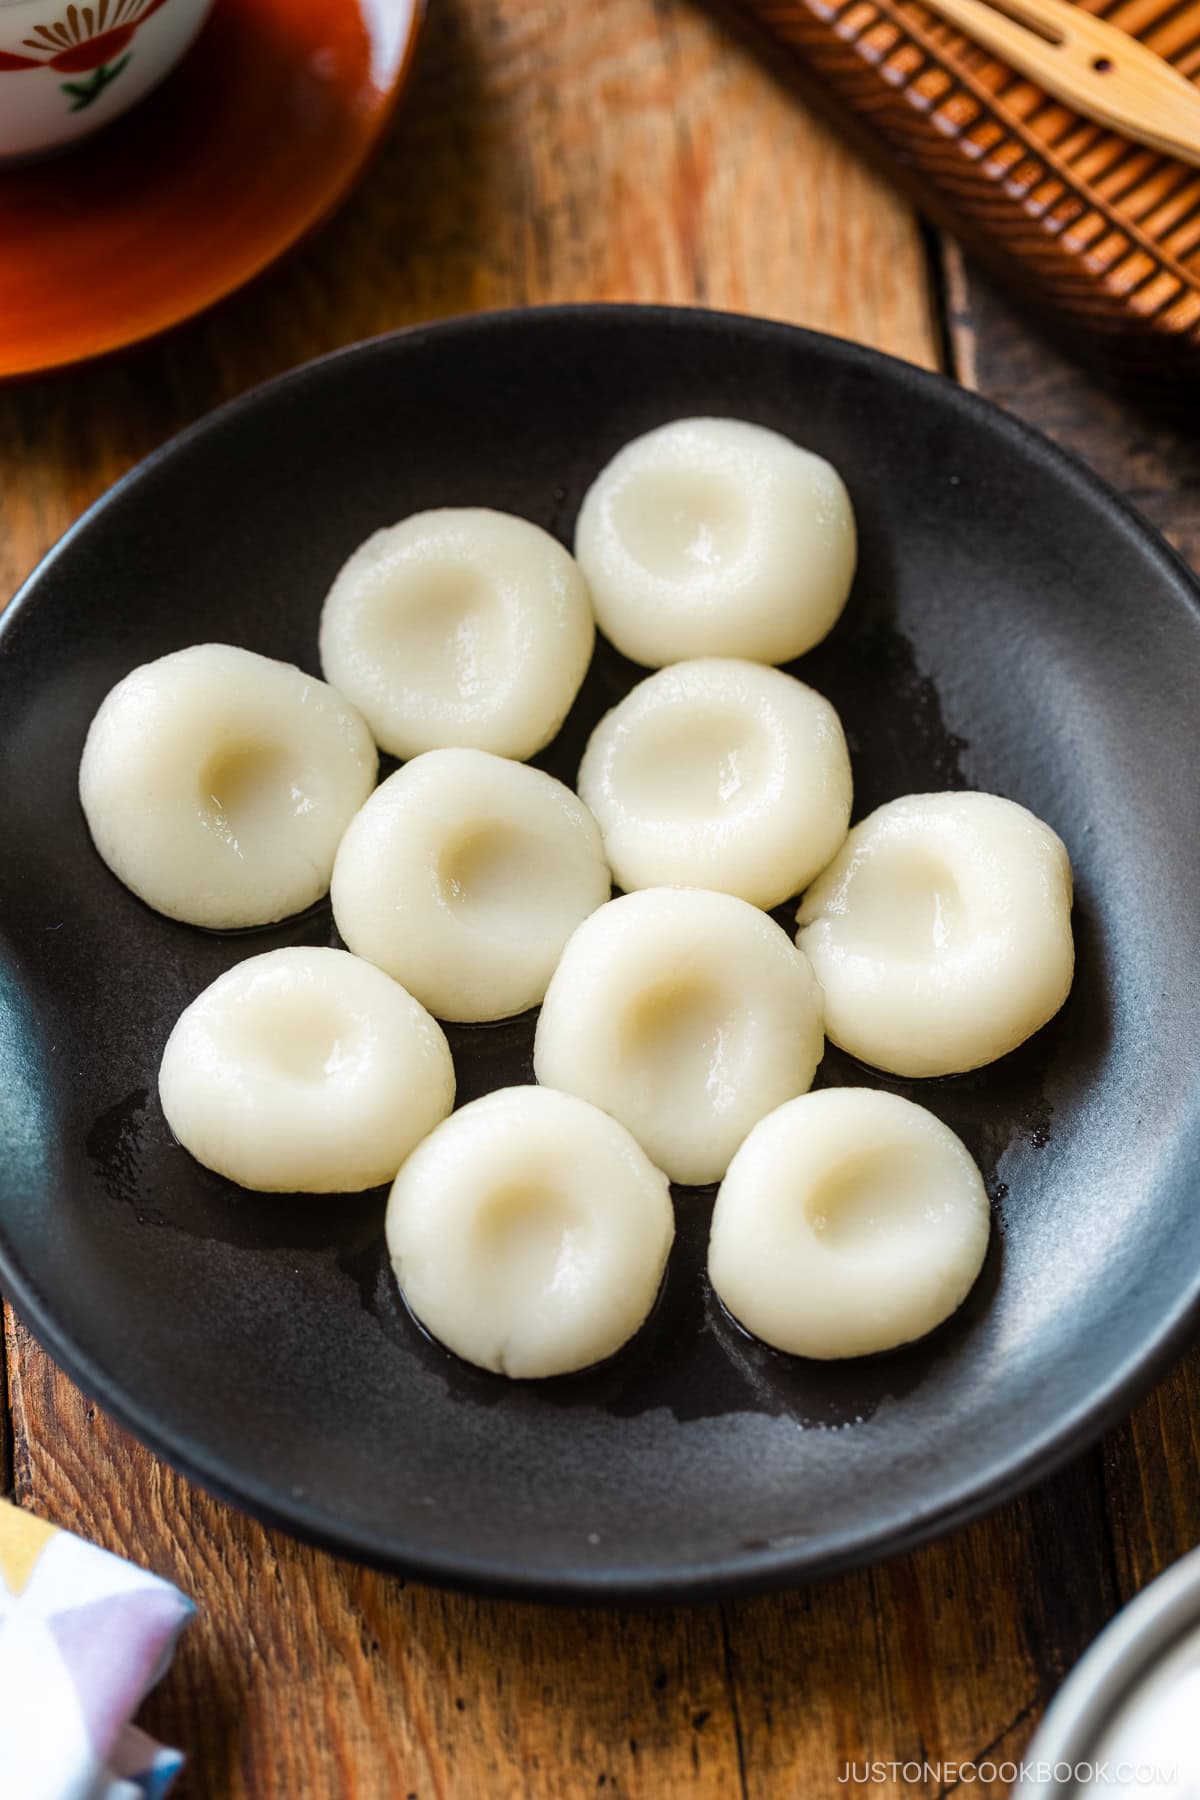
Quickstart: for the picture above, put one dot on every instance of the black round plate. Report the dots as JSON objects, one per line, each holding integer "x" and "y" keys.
{"x": 1012, "y": 627}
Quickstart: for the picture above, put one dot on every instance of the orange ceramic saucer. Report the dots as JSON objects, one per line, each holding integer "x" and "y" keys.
{"x": 256, "y": 137}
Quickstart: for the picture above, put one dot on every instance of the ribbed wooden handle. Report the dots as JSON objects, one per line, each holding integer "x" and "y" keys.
{"x": 1099, "y": 233}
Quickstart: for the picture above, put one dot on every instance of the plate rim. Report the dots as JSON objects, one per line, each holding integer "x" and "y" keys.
{"x": 738, "y": 1572}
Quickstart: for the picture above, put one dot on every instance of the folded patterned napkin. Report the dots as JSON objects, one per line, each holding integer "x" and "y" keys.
{"x": 83, "y": 1637}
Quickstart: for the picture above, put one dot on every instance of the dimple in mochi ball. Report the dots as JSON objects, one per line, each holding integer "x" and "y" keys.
{"x": 305, "y": 1070}
{"x": 850, "y": 1221}
{"x": 459, "y": 627}
{"x": 463, "y": 876}
{"x": 719, "y": 774}
{"x": 217, "y": 783}
{"x": 685, "y": 1014}
{"x": 529, "y": 1233}
{"x": 715, "y": 537}
{"x": 941, "y": 933}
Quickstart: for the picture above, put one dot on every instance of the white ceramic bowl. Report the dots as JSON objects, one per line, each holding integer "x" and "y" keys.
{"x": 1124, "y": 1725}
{"x": 66, "y": 68}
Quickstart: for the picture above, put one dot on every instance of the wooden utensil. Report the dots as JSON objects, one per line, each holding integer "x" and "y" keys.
{"x": 1092, "y": 65}
{"x": 1100, "y": 233}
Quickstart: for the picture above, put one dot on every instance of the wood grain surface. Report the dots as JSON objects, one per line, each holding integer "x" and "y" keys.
{"x": 630, "y": 151}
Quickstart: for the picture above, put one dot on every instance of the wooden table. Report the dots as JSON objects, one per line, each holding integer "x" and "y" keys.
{"x": 633, "y": 150}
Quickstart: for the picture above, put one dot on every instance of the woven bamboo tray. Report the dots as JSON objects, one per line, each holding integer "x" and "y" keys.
{"x": 1101, "y": 234}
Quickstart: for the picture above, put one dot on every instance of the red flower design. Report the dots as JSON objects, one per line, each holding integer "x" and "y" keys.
{"x": 85, "y": 39}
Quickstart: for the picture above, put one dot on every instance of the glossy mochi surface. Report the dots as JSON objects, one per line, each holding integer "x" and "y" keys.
{"x": 685, "y": 1014}
{"x": 716, "y": 537}
{"x": 463, "y": 876}
{"x": 851, "y": 1221}
{"x": 720, "y": 774}
{"x": 941, "y": 933}
{"x": 217, "y": 783}
{"x": 305, "y": 1070}
{"x": 529, "y": 1233}
{"x": 459, "y": 627}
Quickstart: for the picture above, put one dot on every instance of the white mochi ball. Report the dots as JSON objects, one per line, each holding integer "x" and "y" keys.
{"x": 715, "y": 537}
{"x": 719, "y": 774}
{"x": 850, "y": 1221}
{"x": 941, "y": 933}
{"x": 216, "y": 784}
{"x": 529, "y": 1233}
{"x": 687, "y": 1015}
{"x": 305, "y": 1070}
{"x": 463, "y": 876}
{"x": 460, "y": 627}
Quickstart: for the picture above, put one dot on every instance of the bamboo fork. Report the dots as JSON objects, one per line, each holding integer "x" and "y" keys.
{"x": 1095, "y": 67}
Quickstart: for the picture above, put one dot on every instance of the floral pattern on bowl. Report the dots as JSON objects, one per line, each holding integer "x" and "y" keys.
{"x": 91, "y": 46}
